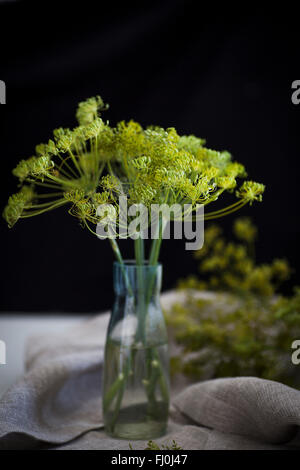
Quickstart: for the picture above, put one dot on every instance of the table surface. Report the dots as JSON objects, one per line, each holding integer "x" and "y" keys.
{"x": 15, "y": 329}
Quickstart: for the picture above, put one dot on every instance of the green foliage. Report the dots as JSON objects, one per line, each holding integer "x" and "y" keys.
{"x": 230, "y": 266}
{"x": 247, "y": 328}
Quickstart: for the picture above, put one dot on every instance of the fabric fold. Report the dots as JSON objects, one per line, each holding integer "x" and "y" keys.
{"x": 57, "y": 404}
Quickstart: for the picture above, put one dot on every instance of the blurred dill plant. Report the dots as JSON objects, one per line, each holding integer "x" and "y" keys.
{"x": 247, "y": 327}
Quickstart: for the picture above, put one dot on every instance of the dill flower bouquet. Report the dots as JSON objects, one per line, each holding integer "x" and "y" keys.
{"x": 92, "y": 166}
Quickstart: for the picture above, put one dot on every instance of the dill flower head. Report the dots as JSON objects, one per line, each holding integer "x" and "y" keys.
{"x": 95, "y": 163}
{"x": 251, "y": 191}
{"x": 33, "y": 166}
{"x": 244, "y": 229}
{"x": 88, "y": 110}
{"x": 16, "y": 205}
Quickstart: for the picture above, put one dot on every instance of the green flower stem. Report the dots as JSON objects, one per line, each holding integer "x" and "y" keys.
{"x": 225, "y": 209}
{"x": 156, "y": 242}
{"x": 61, "y": 181}
{"x": 64, "y": 162}
{"x": 153, "y": 358}
{"x": 100, "y": 171}
{"x": 64, "y": 172}
{"x": 96, "y": 162}
{"x": 138, "y": 248}
{"x": 118, "y": 405}
{"x": 44, "y": 204}
{"x": 209, "y": 216}
{"x": 109, "y": 396}
{"x": 162, "y": 380}
{"x": 118, "y": 255}
{"x": 75, "y": 162}
{"x": 54, "y": 206}
{"x": 222, "y": 212}
{"x": 153, "y": 365}
{"x": 154, "y": 255}
{"x": 158, "y": 374}
{"x": 45, "y": 185}
{"x": 44, "y": 196}
{"x": 118, "y": 389}
{"x": 118, "y": 386}
{"x": 139, "y": 251}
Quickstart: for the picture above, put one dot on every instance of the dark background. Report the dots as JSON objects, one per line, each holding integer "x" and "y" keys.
{"x": 220, "y": 76}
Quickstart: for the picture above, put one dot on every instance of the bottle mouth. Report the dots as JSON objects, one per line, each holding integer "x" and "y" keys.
{"x": 131, "y": 263}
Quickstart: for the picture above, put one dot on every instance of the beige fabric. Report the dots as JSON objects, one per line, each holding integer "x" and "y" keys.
{"x": 57, "y": 404}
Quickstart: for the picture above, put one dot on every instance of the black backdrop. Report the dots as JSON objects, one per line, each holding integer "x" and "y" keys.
{"x": 223, "y": 77}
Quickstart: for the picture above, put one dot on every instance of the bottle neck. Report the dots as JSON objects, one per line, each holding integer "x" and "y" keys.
{"x": 140, "y": 281}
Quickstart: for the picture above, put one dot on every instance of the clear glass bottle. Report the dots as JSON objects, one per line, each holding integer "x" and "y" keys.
{"x": 136, "y": 364}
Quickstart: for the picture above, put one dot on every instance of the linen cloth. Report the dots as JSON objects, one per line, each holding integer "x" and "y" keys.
{"x": 57, "y": 404}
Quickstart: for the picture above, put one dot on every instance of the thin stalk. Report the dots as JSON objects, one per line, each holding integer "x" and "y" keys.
{"x": 63, "y": 171}
{"x": 44, "y": 204}
{"x": 209, "y": 216}
{"x": 118, "y": 387}
{"x": 153, "y": 357}
{"x": 118, "y": 405}
{"x": 221, "y": 212}
{"x": 109, "y": 396}
{"x": 61, "y": 181}
{"x": 158, "y": 374}
{"x": 44, "y": 210}
{"x": 154, "y": 368}
{"x": 95, "y": 155}
{"x": 100, "y": 170}
{"x": 75, "y": 162}
{"x": 225, "y": 209}
{"x": 119, "y": 257}
{"x": 156, "y": 243}
{"x": 64, "y": 162}
{"x": 45, "y": 185}
{"x": 44, "y": 196}
{"x": 138, "y": 248}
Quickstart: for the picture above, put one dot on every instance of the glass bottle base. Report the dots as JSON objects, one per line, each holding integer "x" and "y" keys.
{"x": 134, "y": 423}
